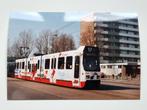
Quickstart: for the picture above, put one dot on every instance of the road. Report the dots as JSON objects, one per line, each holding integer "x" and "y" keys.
{"x": 27, "y": 90}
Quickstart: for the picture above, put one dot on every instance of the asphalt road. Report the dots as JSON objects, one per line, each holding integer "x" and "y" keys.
{"x": 109, "y": 90}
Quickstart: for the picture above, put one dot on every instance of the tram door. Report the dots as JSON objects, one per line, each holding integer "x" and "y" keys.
{"x": 76, "y": 81}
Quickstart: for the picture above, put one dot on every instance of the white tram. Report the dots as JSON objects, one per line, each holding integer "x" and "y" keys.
{"x": 77, "y": 68}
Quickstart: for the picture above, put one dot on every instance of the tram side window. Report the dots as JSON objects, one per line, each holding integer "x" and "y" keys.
{"x": 22, "y": 65}
{"x": 38, "y": 64}
{"x": 54, "y": 62}
{"x": 61, "y": 63}
{"x": 17, "y": 65}
{"x": 69, "y": 62}
{"x": 77, "y": 67}
{"x": 47, "y": 63}
{"x": 34, "y": 67}
{"x": 29, "y": 66}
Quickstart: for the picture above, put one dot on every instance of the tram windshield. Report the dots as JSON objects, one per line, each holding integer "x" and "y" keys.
{"x": 91, "y": 59}
{"x": 91, "y": 63}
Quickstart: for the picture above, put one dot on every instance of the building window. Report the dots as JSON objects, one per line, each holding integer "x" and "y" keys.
{"x": 132, "y": 46}
{"x": 109, "y": 66}
{"x": 61, "y": 63}
{"x": 47, "y": 63}
{"x": 102, "y": 66}
{"x": 123, "y": 52}
{"x": 119, "y": 66}
{"x": 69, "y": 62}
{"x": 131, "y": 33}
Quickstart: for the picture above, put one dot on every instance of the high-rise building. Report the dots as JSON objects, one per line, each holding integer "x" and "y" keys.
{"x": 119, "y": 38}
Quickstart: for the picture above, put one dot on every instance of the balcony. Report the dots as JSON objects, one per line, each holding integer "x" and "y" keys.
{"x": 105, "y": 46}
{"x": 129, "y": 48}
{"x": 130, "y": 42}
{"x": 129, "y": 55}
{"x": 105, "y": 39}
{"x": 128, "y": 28}
{"x": 128, "y": 22}
{"x": 109, "y": 54}
{"x": 104, "y": 32}
{"x": 100, "y": 25}
{"x": 130, "y": 35}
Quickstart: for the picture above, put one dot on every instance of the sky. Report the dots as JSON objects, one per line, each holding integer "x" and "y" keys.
{"x": 68, "y": 22}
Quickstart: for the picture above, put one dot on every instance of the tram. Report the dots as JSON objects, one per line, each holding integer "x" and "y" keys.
{"x": 76, "y": 68}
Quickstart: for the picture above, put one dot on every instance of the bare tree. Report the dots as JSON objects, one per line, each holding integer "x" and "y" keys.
{"x": 91, "y": 36}
{"x": 62, "y": 42}
{"x": 53, "y": 43}
{"x": 16, "y": 49}
{"x": 42, "y": 42}
{"x": 24, "y": 41}
{"x": 9, "y": 48}
{"x": 87, "y": 36}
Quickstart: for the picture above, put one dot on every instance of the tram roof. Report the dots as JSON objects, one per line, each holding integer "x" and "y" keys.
{"x": 71, "y": 52}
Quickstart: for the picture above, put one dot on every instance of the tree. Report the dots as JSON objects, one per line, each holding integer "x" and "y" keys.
{"x": 9, "y": 48}
{"x": 23, "y": 46}
{"x": 62, "y": 42}
{"x": 42, "y": 42}
{"x": 91, "y": 36}
{"x": 87, "y": 35}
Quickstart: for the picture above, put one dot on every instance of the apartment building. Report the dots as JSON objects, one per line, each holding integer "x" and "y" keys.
{"x": 119, "y": 38}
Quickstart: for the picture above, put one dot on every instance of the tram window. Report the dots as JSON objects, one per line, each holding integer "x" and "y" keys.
{"x": 54, "y": 62}
{"x": 77, "y": 67}
{"x": 61, "y": 63}
{"x": 69, "y": 62}
{"x": 34, "y": 69}
{"x": 31, "y": 69}
{"x": 17, "y": 65}
{"x": 119, "y": 66}
{"x": 47, "y": 63}
{"x": 38, "y": 64}
{"x": 29, "y": 66}
{"x": 22, "y": 65}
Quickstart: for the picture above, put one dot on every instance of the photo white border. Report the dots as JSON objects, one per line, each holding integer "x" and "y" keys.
{"x": 135, "y": 6}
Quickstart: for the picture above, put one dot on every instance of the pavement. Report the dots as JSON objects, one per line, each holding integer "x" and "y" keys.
{"x": 109, "y": 90}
